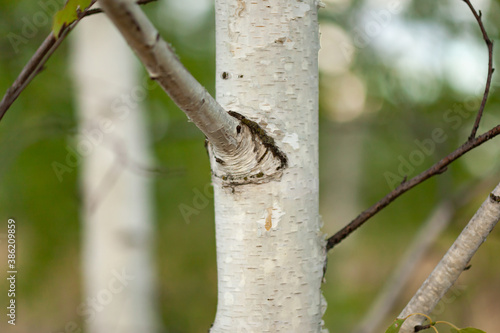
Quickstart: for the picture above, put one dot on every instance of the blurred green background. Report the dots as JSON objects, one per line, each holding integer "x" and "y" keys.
{"x": 392, "y": 72}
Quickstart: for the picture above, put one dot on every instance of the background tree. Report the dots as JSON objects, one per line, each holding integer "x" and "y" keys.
{"x": 116, "y": 207}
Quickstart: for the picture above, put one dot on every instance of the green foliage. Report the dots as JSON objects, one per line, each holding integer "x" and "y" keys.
{"x": 396, "y": 326}
{"x": 68, "y": 14}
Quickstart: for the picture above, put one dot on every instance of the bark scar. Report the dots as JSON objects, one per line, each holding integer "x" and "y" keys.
{"x": 266, "y": 140}
{"x": 241, "y": 7}
{"x": 495, "y": 198}
{"x": 262, "y": 160}
{"x": 269, "y": 222}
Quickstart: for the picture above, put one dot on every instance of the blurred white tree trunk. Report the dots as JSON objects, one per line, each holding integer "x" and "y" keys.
{"x": 116, "y": 212}
{"x": 270, "y": 251}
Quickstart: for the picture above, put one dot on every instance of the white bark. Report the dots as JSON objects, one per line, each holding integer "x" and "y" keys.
{"x": 270, "y": 251}
{"x": 454, "y": 262}
{"x": 117, "y": 218}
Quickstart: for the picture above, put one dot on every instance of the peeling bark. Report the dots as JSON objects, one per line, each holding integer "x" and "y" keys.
{"x": 256, "y": 159}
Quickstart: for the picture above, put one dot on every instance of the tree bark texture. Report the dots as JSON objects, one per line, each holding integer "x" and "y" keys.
{"x": 270, "y": 250}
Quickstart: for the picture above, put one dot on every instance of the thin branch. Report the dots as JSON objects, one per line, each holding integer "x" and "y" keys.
{"x": 489, "y": 44}
{"x": 437, "y": 168}
{"x": 36, "y": 64}
{"x": 438, "y": 220}
{"x": 164, "y": 67}
{"x": 455, "y": 261}
{"x": 99, "y": 10}
{"x": 32, "y": 68}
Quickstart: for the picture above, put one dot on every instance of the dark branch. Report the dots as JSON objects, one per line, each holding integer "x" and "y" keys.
{"x": 489, "y": 44}
{"x": 440, "y": 166}
{"x": 35, "y": 64}
{"x": 99, "y": 10}
{"x": 33, "y": 67}
{"x": 38, "y": 60}
{"x": 436, "y": 169}
{"x": 419, "y": 328}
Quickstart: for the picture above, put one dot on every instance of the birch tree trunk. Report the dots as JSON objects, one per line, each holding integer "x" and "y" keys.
{"x": 270, "y": 251}
{"x": 117, "y": 221}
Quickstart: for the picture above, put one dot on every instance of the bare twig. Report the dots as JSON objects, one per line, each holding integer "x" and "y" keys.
{"x": 454, "y": 262}
{"x": 437, "y": 168}
{"x": 99, "y": 10}
{"x": 32, "y": 68}
{"x": 36, "y": 64}
{"x": 489, "y": 44}
{"x": 438, "y": 220}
